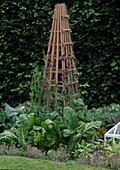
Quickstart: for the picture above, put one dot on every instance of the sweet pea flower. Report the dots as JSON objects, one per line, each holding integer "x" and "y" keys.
{"x": 40, "y": 79}
{"x": 68, "y": 55}
{"x": 44, "y": 79}
{"x": 23, "y": 88}
{"x": 49, "y": 61}
{"x": 46, "y": 83}
{"x": 67, "y": 68}
{"x": 74, "y": 75}
{"x": 45, "y": 87}
{"x": 69, "y": 86}
{"x": 67, "y": 64}
{"x": 32, "y": 78}
{"x": 25, "y": 102}
{"x": 66, "y": 73}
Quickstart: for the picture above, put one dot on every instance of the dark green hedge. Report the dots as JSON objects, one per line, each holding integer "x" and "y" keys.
{"x": 96, "y": 35}
{"x": 24, "y": 33}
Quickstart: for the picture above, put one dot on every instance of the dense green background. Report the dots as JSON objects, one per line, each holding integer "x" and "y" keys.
{"x": 24, "y": 33}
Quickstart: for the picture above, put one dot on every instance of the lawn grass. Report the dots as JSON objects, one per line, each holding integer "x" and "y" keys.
{"x": 19, "y": 162}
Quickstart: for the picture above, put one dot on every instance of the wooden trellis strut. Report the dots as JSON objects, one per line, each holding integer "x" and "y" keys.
{"x": 61, "y": 61}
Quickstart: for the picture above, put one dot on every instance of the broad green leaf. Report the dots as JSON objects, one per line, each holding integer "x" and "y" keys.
{"x": 81, "y": 114}
{"x": 66, "y": 132}
{"x": 10, "y": 111}
{"x": 70, "y": 118}
{"x": 113, "y": 63}
{"x": 80, "y": 101}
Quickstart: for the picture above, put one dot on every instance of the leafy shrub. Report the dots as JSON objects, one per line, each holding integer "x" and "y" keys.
{"x": 100, "y": 160}
{"x": 108, "y": 115}
{"x": 46, "y": 130}
{"x": 61, "y": 155}
{"x": 31, "y": 152}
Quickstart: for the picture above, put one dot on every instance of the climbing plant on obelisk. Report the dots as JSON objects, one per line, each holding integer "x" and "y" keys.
{"x": 60, "y": 62}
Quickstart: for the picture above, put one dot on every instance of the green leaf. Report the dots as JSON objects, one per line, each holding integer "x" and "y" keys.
{"x": 37, "y": 127}
{"x": 10, "y": 111}
{"x": 81, "y": 114}
{"x": 70, "y": 118}
{"x": 113, "y": 63}
{"x": 90, "y": 126}
{"x": 66, "y": 132}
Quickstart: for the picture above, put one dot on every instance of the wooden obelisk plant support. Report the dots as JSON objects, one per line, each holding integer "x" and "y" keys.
{"x": 60, "y": 66}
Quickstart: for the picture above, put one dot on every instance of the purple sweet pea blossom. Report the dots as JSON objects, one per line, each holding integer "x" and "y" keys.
{"x": 25, "y": 102}
{"x": 66, "y": 73}
{"x": 23, "y": 88}
{"x": 67, "y": 68}
{"x": 74, "y": 75}
{"x": 46, "y": 83}
{"x": 40, "y": 79}
{"x": 49, "y": 61}
{"x": 67, "y": 64}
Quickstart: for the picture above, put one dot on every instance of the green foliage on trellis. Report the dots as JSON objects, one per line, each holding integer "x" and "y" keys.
{"x": 24, "y": 34}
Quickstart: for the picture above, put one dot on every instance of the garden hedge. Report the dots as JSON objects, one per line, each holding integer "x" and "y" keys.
{"x": 24, "y": 34}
